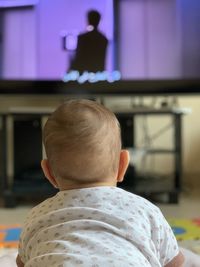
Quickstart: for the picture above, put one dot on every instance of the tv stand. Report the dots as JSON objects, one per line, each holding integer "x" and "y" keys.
{"x": 21, "y": 154}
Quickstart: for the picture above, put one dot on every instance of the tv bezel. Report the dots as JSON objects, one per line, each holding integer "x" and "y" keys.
{"x": 118, "y": 88}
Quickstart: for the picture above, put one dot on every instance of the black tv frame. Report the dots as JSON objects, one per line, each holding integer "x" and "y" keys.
{"x": 118, "y": 88}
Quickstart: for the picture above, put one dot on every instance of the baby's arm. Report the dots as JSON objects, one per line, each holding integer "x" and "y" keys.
{"x": 170, "y": 255}
{"x": 178, "y": 261}
{"x": 164, "y": 240}
{"x": 19, "y": 261}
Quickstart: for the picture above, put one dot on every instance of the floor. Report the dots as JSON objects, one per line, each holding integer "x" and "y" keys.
{"x": 188, "y": 207}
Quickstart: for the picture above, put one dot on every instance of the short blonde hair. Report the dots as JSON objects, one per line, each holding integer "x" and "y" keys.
{"x": 82, "y": 140}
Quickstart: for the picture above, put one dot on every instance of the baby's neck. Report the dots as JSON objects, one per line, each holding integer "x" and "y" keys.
{"x": 86, "y": 185}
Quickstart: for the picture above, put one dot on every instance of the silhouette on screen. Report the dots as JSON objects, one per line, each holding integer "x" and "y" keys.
{"x": 91, "y": 47}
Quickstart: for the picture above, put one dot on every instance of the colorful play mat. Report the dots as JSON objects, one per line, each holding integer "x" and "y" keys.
{"x": 9, "y": 235}
{"x": 184, "y": 229}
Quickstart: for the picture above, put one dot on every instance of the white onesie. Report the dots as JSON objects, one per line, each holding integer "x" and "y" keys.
{"x": 96, "y": 227}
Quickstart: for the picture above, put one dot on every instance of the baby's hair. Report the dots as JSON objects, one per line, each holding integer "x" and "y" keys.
{"x": 82, "y": 140}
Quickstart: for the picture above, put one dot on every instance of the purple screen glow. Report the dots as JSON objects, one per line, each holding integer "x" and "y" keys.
{"x": 156, "y": 39}
{"x": 43, "y": 41}
{"x": 17, "y": 3}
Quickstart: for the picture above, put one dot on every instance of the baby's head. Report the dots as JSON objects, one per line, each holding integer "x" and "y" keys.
{"x": 82, "y": 140}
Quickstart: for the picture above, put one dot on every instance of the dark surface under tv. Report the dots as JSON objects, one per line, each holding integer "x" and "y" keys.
{"x": 122, "y": 87}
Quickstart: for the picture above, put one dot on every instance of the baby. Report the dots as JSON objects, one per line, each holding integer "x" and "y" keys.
{"x": 90, "y": 222}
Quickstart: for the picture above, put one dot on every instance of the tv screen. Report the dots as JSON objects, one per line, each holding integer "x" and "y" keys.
{"x": 40, "y": 42}
{"x": 136, "y": 40}
{"x": 17, "y": 3}
{"x": 159, "y": 39}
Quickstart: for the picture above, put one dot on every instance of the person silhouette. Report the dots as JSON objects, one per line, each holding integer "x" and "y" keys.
{"x": 91, "y": 47}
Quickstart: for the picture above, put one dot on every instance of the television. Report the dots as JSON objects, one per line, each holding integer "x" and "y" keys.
{"x": 153, "y": 47}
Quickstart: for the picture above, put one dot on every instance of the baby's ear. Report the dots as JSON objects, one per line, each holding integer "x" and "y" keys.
{"x": 123, "y": 165}
{"x": 47, "y": 172}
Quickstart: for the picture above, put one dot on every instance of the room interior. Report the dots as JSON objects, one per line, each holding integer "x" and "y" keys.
{"x": 148, "y": 41}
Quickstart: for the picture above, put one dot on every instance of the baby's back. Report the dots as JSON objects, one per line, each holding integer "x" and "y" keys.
{"x": 99, "y": 226}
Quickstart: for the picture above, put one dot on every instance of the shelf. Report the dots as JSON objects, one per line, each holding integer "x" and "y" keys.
{"x": 32, "y": 184}
{"x": 33, "y": 188}
{"x": 157, "y": 185}
{"x": 151, "y": 184}
{"x": 155, "y": 189}
{"x": 160, "y": 151}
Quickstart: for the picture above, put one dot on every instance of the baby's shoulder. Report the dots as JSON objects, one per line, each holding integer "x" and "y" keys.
{"x": 42, "y": 207}
{"x": 140, "y": 203}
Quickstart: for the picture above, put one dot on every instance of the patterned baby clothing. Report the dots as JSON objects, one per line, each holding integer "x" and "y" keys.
{"x": 95, "y": 227}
